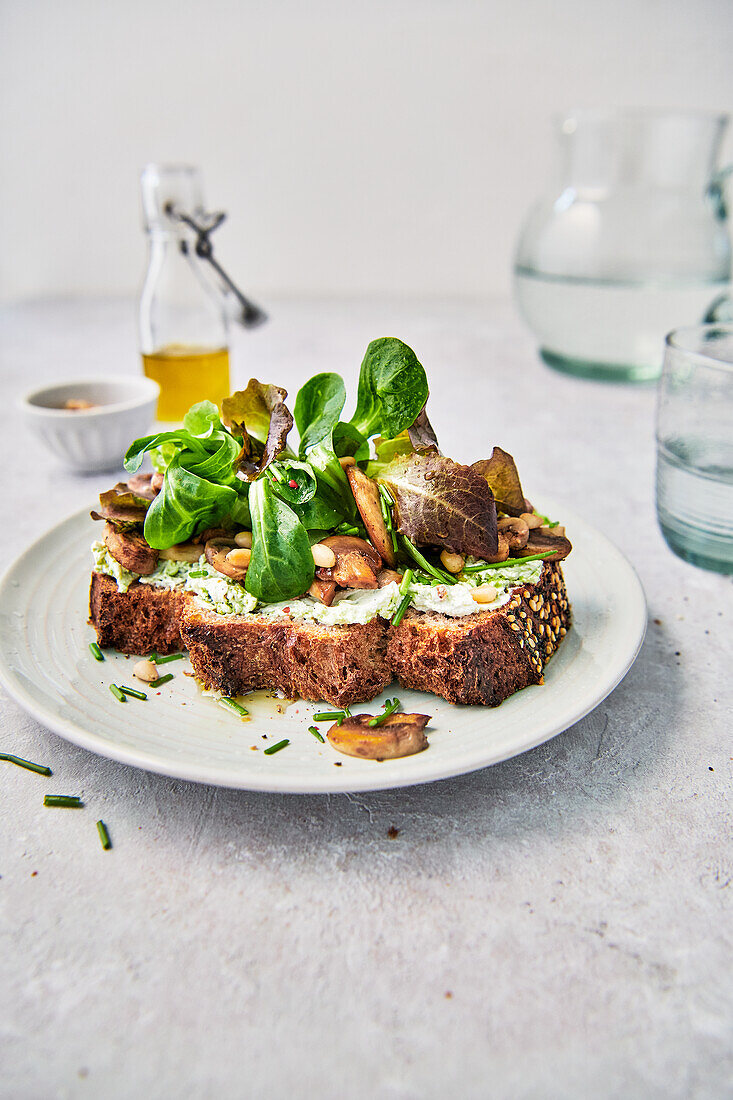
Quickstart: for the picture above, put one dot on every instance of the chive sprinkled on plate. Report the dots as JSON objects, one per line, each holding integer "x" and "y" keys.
{"x": 133, "y": 692}
{"x": 389, "y": 708}
{"x": 276, "y": 748}
{"x": 104, "y": 836}
{"x": 40, "y": 769}
{"x": 117, "y": 693}
{"x": 70, "y": 801}
{"x": 170, "y": 657}
{"x": 330, "y": 716}
{"x": 231, "y": 704}
{"x": 96, "y": 652}
{"x": 162, "y": 680}
{"x": 317, "y": 734}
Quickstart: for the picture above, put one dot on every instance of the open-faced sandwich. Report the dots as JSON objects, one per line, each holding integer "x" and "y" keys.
{"x": 328, "y": 571}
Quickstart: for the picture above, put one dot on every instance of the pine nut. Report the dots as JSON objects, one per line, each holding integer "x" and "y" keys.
{"x": 145, "y": 671}
{"x": 453, "y": 562}
{"x": 323, "y": 556}
{"x": 347, "y": 461}
{"x": 239, "y": 558}
{"x": 244, "y": 539}
{"x": 531, "y": 520}
{"x": 485, "y": 593}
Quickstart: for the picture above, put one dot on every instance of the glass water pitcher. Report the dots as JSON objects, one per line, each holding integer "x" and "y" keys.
{"x": 630, "y": 240}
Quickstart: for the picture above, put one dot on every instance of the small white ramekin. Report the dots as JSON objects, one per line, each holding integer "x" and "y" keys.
{"x": 92, "y": 440}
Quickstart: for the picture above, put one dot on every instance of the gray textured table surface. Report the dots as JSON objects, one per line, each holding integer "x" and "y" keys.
{"x": 556, "y": 926}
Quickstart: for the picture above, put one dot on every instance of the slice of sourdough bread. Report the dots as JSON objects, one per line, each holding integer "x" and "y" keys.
{"x": 481, "y": 658}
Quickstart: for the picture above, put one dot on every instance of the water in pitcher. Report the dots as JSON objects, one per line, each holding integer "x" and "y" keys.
{"x": 609, "y": 328}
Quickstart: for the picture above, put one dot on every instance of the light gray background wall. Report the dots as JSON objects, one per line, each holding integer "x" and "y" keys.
{"x": 360, "y": 147}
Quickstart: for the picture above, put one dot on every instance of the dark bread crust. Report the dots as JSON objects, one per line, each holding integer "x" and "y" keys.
{"x": 138, "y": 621}
{"x": 335, "y": 664}
{"x": 487, "y": 657}
{"x": 482, "y": 658}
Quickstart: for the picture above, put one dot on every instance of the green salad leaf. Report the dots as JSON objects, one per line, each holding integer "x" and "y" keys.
{"x": 318, "y": 406}
{"x": 392, "y": 389}
{"x": 260, "y": 417}
{"x": 281, "y": 566}
{"x": 186, "y": 504}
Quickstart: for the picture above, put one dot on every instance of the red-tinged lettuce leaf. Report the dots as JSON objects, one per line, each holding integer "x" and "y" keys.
{"x": 501, "y": 473}
{"x": 441, "y": 503}
{"x": 260, "y": 416}
{"x": 421, "y": 433}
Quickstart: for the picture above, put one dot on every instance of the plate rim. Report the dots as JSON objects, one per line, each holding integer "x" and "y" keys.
{"x": 637, "y": 611}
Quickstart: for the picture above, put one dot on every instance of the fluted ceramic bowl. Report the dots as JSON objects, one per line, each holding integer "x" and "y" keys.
{"x": 92, "y": 440}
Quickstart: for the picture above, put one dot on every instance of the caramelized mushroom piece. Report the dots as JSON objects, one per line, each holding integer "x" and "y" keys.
{"x": 366, "y": 495}
{"x": 130, "y": 550}
{"x": 540, "y": 543}
{"x": 323, "y": 591}
{"x": 397, "y": 735}
{"x": 515, "y": 531}
{"x": 184, "y": 551}
{"x": 357, "y": 563}
{"x": 387, "y": 576}
{"x": 502, "y": 552}
{"x": 216, "y": 551}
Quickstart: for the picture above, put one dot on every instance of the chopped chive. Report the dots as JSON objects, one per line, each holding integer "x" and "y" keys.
{"x": 40, "y": 769}
{"x": 329, "y": 716}
{"x": 231, "y": 704}
{"x": 72, "y": 801}
{"x": 132, "y": 691}
{"x": 275, "y": 473}
{"x": 317, "y": 734}
{"x": 406, "y": 581}
{"x": 389, "y": 708}
{"x": 386, "y": 494}
{"x": 348, "y": 529}
{"x": 104, "y": 836}
{"x": 170, "y": 657}
{"x": 117, "y": 693}
{"x": 402, "y": 608}
{"x": 96, "y": 652}
{"x": 198, "y": 573}
{"x": 162, "y": 680}
{"x": 153, "y": 656}
{"x": 423, "y": 562}
{"x": 509, "y": 561}
{"x": 276, "y": 748}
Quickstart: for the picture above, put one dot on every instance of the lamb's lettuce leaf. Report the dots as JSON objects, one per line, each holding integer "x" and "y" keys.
{"x": 281, "y": 566}
{"x": 186, "y": 504}
{"x": 392, "y": 389}
{"x": 318, "y": 406}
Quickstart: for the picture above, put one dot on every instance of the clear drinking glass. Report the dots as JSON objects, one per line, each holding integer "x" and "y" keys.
{"x": 629, "y": 240}
{"x": 695, "y": 446}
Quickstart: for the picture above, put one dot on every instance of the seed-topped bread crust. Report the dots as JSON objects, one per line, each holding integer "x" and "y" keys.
{"x": 483, "y": 658}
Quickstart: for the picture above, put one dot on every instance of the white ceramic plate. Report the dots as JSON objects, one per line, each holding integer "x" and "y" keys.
{"x": 46, "y": 666}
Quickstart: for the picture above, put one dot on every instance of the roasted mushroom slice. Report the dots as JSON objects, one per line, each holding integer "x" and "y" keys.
{"x": 366, "y": 495}
{"x": 515, "y": 530}
{"x": 218, "y": 553}
{"x": 184, "y": 551}
{"x": 388, "y": 576}
{"x": 130, "y": 550}
{"x": 397, "y": 735}
{"x": 323, "y": 591}
{"x": 541, "y": 543}
{"x": 357, "y": 563}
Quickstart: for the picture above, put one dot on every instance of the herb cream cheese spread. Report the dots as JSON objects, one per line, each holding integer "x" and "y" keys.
{"x": 227, "y": 597}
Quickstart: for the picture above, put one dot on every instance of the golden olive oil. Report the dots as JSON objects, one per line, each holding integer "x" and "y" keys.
{"x": 186, "y": 375}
